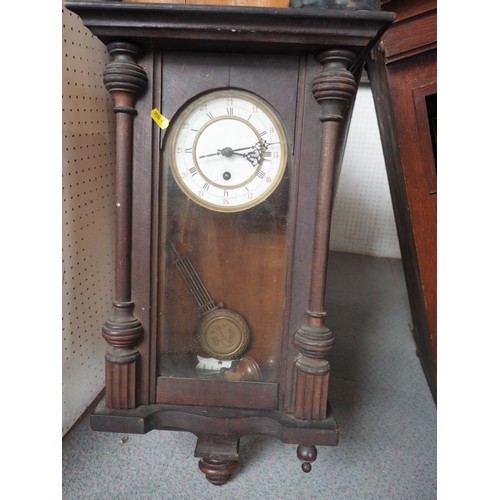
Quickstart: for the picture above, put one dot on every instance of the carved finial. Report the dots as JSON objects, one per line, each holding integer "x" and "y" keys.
{"x": 335, "y": 86}
{"x": 123, "y": 330}
{"x": 314, "y": 341}
{"x": 123, "y": 74}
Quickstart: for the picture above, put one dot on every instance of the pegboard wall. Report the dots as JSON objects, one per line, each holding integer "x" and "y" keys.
{"x": 88, "y": 216}
{"x": 362, "y": 221}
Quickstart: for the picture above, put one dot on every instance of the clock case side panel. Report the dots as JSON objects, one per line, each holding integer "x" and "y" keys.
{"x": 185, "y": 76}
{"x": 303, "y": 196}
{"x": 143, "y": 227}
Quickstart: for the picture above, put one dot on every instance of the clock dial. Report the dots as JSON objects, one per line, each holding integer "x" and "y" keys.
{"x": 228, "y": 150}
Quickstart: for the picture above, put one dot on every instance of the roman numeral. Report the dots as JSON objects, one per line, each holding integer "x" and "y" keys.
{"x": 192, "y": 171}
{"x": 230, "y": 111}
{"x": 210, "y": 115}
{"x": 261, "y": 174}
{"x": 188, "y": 150}
{"x": 262, "y": 134}
{"x": 206, "y": 186}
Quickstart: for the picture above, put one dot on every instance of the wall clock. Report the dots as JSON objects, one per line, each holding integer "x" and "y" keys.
{"x": 218, "y": 325}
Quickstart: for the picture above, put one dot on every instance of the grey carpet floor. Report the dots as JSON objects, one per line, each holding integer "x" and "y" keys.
{"x": 381, "y": 401}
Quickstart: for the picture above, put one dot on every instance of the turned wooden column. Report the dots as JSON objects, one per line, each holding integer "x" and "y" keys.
{"x": 334, "y": 88}
{"x": 125, "y": 80}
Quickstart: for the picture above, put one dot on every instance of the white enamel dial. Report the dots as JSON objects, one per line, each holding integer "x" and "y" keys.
{"x": 228, "y": 150}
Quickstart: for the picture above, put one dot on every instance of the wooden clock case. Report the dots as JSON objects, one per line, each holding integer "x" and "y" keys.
{"x": 306, "y": 63}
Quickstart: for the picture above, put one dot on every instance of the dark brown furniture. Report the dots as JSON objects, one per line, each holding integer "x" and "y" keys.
{"x": 402, "y": 71}
{"x": 285, "y": 81}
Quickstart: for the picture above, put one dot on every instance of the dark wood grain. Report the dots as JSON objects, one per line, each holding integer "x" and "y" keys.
{"x": 142, "y": 227}
{"x": 413, "y": 34}
{"x": 196, "y": 392}
{"x": 401, "y": 79}
{"x": 201, "y": 420}
{"x": 233, "y": 29}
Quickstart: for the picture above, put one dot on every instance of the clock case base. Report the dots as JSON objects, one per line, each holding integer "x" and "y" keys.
{"x": 219, "y": 450}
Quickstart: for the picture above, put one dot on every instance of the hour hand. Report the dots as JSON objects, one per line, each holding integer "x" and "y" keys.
{"x": 211, "y": 154}
{"x": 226, "y": 152}
{"x": 256, "y": 154}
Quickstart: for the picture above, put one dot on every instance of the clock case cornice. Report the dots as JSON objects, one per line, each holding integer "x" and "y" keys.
{"x": 233, "y": 29}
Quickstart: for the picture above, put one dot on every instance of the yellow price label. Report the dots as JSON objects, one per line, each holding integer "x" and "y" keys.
{"x": 159, "y": 119}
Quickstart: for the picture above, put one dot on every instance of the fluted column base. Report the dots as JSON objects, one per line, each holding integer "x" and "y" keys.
{"x": 121, "y": 375}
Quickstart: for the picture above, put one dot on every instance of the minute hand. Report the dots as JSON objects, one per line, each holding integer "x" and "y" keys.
{"x": 265, "y": 144}
{"x": 227, "y": 152}
{"x": 242, "y": 149}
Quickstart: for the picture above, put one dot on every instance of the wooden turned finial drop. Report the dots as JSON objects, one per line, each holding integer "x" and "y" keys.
{"x": 306, "y": 454}
{"x": 218, "y": 472}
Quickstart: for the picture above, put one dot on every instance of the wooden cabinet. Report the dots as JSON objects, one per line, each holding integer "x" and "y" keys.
{"x": 402, "y": 72}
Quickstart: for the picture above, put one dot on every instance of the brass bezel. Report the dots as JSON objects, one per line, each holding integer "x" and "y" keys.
{"x": 197, "y": 102}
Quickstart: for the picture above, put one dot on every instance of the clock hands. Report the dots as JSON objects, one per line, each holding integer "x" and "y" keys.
{"x": 227, "y": 152}
{"x": 254, "y": 156}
